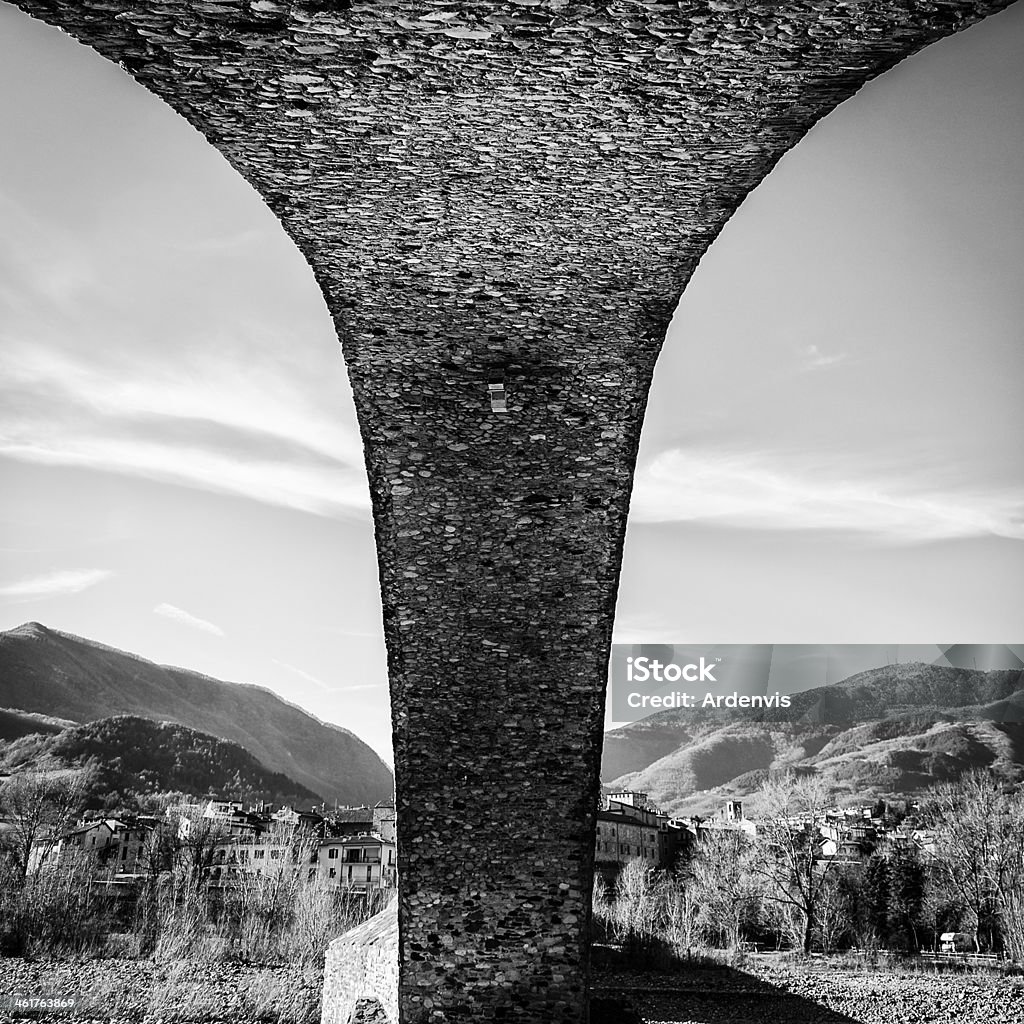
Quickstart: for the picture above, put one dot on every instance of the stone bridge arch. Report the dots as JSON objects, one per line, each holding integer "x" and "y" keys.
{"x": 502, "y": 202}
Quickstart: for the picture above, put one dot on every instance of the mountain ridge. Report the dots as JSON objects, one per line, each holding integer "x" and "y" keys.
{"x": 34, "y": 628}
{"x": 137, "y": 757}
{"x": 886, "y": 732}
{"x": 47, "y": 671}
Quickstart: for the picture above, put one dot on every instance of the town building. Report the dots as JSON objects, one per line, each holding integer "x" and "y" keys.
{"x": 627, "y": 829}
{"x": 112, "y": 846}
{"x": 360, "y": 862}
{"x": 385, "y": 822}
{"x": 350, "y": 821}
{"x": 307, "y": 822}
{"x": 841, "y": 843}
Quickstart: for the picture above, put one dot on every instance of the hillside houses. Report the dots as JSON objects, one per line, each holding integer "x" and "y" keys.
{"x": 847, "y": 835}
{"x": 352, "y": 848}
{"x": 358, "y": 861}
{"x": 733, "y": 817}
{"x": 113, "y": 845}
{"x": 629, "y": 827}
{"x": 227, "y": 817}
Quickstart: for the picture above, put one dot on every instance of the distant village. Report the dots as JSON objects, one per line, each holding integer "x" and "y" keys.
{"x": 629, "y": 826}
{"x": 352, "y": 848}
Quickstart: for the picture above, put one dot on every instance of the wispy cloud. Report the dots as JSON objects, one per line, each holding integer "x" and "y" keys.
{"x": 53, "y": 584}
{"x": 255, "y": 405}
{"x": 309, "y": 677}
{"x": 302, "y": 674}
{"x": 170, "y": 611}
{"x": 222, "y": 434}
{"x": 323, "y": 490}
{"x": 768, "y": 491}
{"x": 210, "y": 382}
{"x": 812, "y": 358}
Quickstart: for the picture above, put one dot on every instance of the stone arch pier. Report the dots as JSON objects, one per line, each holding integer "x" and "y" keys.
{"x": 502, "y": 202}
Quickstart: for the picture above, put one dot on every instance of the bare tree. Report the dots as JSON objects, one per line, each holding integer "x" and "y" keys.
{"x": 1011, "y": 887}
{"x": 725, "y": 883}
{"x": 789, "y": 861}
{"x": 159, "y": 847}
{"x": 835, "y": 912}
{"x": 979, "y": 828}
{"x": 682, "y": 911}
{"x": 39, "y": 807}
{"x": 786, "y": 921}
{"x": 194, "y": 844}
{"x": 637, "y": 902}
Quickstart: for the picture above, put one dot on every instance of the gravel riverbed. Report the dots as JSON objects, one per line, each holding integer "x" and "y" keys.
{"x": 168, "y": 993}
{"x": 768, "y": 991}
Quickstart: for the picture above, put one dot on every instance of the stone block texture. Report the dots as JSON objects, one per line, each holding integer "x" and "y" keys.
{"x": 361, "y": 973}
{"x": 508, "y": 192}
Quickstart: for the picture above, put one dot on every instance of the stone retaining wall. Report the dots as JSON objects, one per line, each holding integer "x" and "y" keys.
{"x": 361, "y": 973}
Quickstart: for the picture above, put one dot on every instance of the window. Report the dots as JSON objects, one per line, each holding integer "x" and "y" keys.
{"x": 258, "y": 854}
{"x": 275, "y": 854}
{"x": 332, "y": 853}
{"x": 333, "y": 873}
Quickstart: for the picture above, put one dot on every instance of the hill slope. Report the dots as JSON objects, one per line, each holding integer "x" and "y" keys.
{"x": 53, "y": 673}
{"x": 15, "y": 723}
{"x": 136, "y": 756}
{"x": 889, "y": 732}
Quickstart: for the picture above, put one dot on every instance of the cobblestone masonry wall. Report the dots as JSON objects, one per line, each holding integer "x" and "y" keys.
{"x": 361, "y": 971}
{"x": 512, "y": 193}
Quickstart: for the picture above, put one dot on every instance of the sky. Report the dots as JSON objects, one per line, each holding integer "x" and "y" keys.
{"x": 832, "y": 452}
